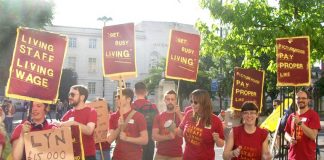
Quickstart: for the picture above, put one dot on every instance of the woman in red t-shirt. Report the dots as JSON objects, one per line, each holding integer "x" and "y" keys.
{"x": 247, "y": 141}
{"x": 201, "y": 129}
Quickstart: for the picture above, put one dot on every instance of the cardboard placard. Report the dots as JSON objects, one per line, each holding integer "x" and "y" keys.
{"x": 100, "y": 132}
{"x": 49, "y": 144}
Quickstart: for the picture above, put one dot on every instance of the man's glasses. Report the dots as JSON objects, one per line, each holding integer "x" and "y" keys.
{"x": 72, "y": 94}
{"x": 194, "y": 102}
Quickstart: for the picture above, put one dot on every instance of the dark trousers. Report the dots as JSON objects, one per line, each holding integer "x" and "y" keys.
{"x": 148, "y": 150}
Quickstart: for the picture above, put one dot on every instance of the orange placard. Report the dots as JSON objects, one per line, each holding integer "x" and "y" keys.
{"x": 49, "y": 144}
{"x": 119, "y": 58}
{"x": 36, "y": 66}
{"x": 183, "y": 56}
{"x": 100, "y": 132}
{"x": 293, "y": 61}
{"x": 247, "y": 86}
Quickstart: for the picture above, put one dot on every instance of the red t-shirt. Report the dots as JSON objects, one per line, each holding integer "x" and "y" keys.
{"x": 84, "y": 116}
{"x": 251, "y": 143}
{"x": 199, "y": 139}
{"x": 171, "y": 148}
{"x": 125, "y": 150}
{"x": 16, "y": 133}
{"x": 188, "y": 108}
{"x": 305, "y": 148}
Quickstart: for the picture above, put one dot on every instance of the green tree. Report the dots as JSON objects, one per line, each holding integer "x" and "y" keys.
{"x": 68, "y": 79}
{"x": 15, "y": 13}
{"x": 253, "y": 27}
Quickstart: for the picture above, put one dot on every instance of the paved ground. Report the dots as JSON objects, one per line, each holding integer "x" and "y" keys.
{"x": 218, "y": 151}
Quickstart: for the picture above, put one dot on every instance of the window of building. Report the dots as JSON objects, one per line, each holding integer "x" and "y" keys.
{"x": 92, "y": 87}
{"x": 72, "y": 63}
{"x": 92, "y": 43}
{"x": 72, "y": 42}
{"x": 92, "y": 63}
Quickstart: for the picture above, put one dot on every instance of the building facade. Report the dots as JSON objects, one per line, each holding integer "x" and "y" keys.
{"x": 84, "y": 54}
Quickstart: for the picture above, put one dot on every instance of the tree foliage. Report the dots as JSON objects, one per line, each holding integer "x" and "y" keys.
{"x": 14, "y": 13}
{"x": 253, "y": 27}
{"x": 68, "y": 79}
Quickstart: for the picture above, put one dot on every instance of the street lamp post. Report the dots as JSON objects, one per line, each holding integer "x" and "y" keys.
{"x": 104, "y": 19}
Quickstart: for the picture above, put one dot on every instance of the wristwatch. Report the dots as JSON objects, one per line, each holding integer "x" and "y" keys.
{"x": 299, "y": 123}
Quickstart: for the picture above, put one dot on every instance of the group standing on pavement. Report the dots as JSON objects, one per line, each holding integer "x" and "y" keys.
{"x": 137, "y": 126}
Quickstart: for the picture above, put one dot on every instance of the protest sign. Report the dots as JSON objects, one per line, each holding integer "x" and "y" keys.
{"x": 100, "y": 132}
{"x": 119, "y": 59}
{"x": 247, "y": 86}
{"x": 36, "y": 66}
{"x": 52, "y": 144}
{"x": 293, "y": 61}
{"x": 78, "y": 149}
{"x": 183, "y": 56}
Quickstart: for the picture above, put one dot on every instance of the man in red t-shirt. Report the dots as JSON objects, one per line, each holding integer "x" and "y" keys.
{"x": 37, "y": 122}
{"x": 149, "y": 110}
{"x": 83, "y": 116}
{"x": 168, "y": 143}
{"x": 128, "y": 128}
{"x": 301, "y": 129}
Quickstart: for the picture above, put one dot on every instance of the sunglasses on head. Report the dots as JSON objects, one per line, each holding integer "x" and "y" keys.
{"x": 194, "y": 102}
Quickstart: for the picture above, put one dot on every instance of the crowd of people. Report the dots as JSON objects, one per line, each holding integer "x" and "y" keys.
{"x": 141, "y": 132}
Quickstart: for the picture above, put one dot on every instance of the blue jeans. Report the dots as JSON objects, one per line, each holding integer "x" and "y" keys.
{"x": 106, "y": 154}
{"x": 8, "y": 124}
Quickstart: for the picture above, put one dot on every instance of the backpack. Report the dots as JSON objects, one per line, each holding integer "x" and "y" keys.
{"x": 149, "y": 113}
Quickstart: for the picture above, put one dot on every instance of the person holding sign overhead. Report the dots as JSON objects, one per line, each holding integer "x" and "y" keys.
{"x": 201, "y": 128}
{"x": 35, "y": 122}
{"x": 247, "y": 141}
{"x": 83, "y": 116}
{"x": 301, "y": 129}
{"x": 128, "y": 128}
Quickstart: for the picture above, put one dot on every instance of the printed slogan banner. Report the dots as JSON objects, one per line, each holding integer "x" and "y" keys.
{"x": 119, "y": 51}
{"x": 183, "y": 56}
{"x": 100, "y": 132}
{"x": 78, "y": 149}
{"x": 293, "y": 61}
{"x": 36, "y": 66}
{"x": 49, "y": 144}
{"x": 247, "y": 86}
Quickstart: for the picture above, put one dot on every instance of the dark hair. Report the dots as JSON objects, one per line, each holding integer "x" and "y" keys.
{"x": 83, "y": 90}
{"x": 128, "y": 93}
{"x": 203, "y": 98}
{"x": 250, "y": 106}
{"x": 140, "y": 88}
{"x": 278, "y": 101}
{"x": 170, "y": 92}
{"x": 305, "y": 91}
{"x": 31, "y": 107}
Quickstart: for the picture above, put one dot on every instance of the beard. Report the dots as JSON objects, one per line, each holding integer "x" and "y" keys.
{"x": 170, "y": 107}
{"x": 75, "y": 103}
{"x": 301, "y": 105}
